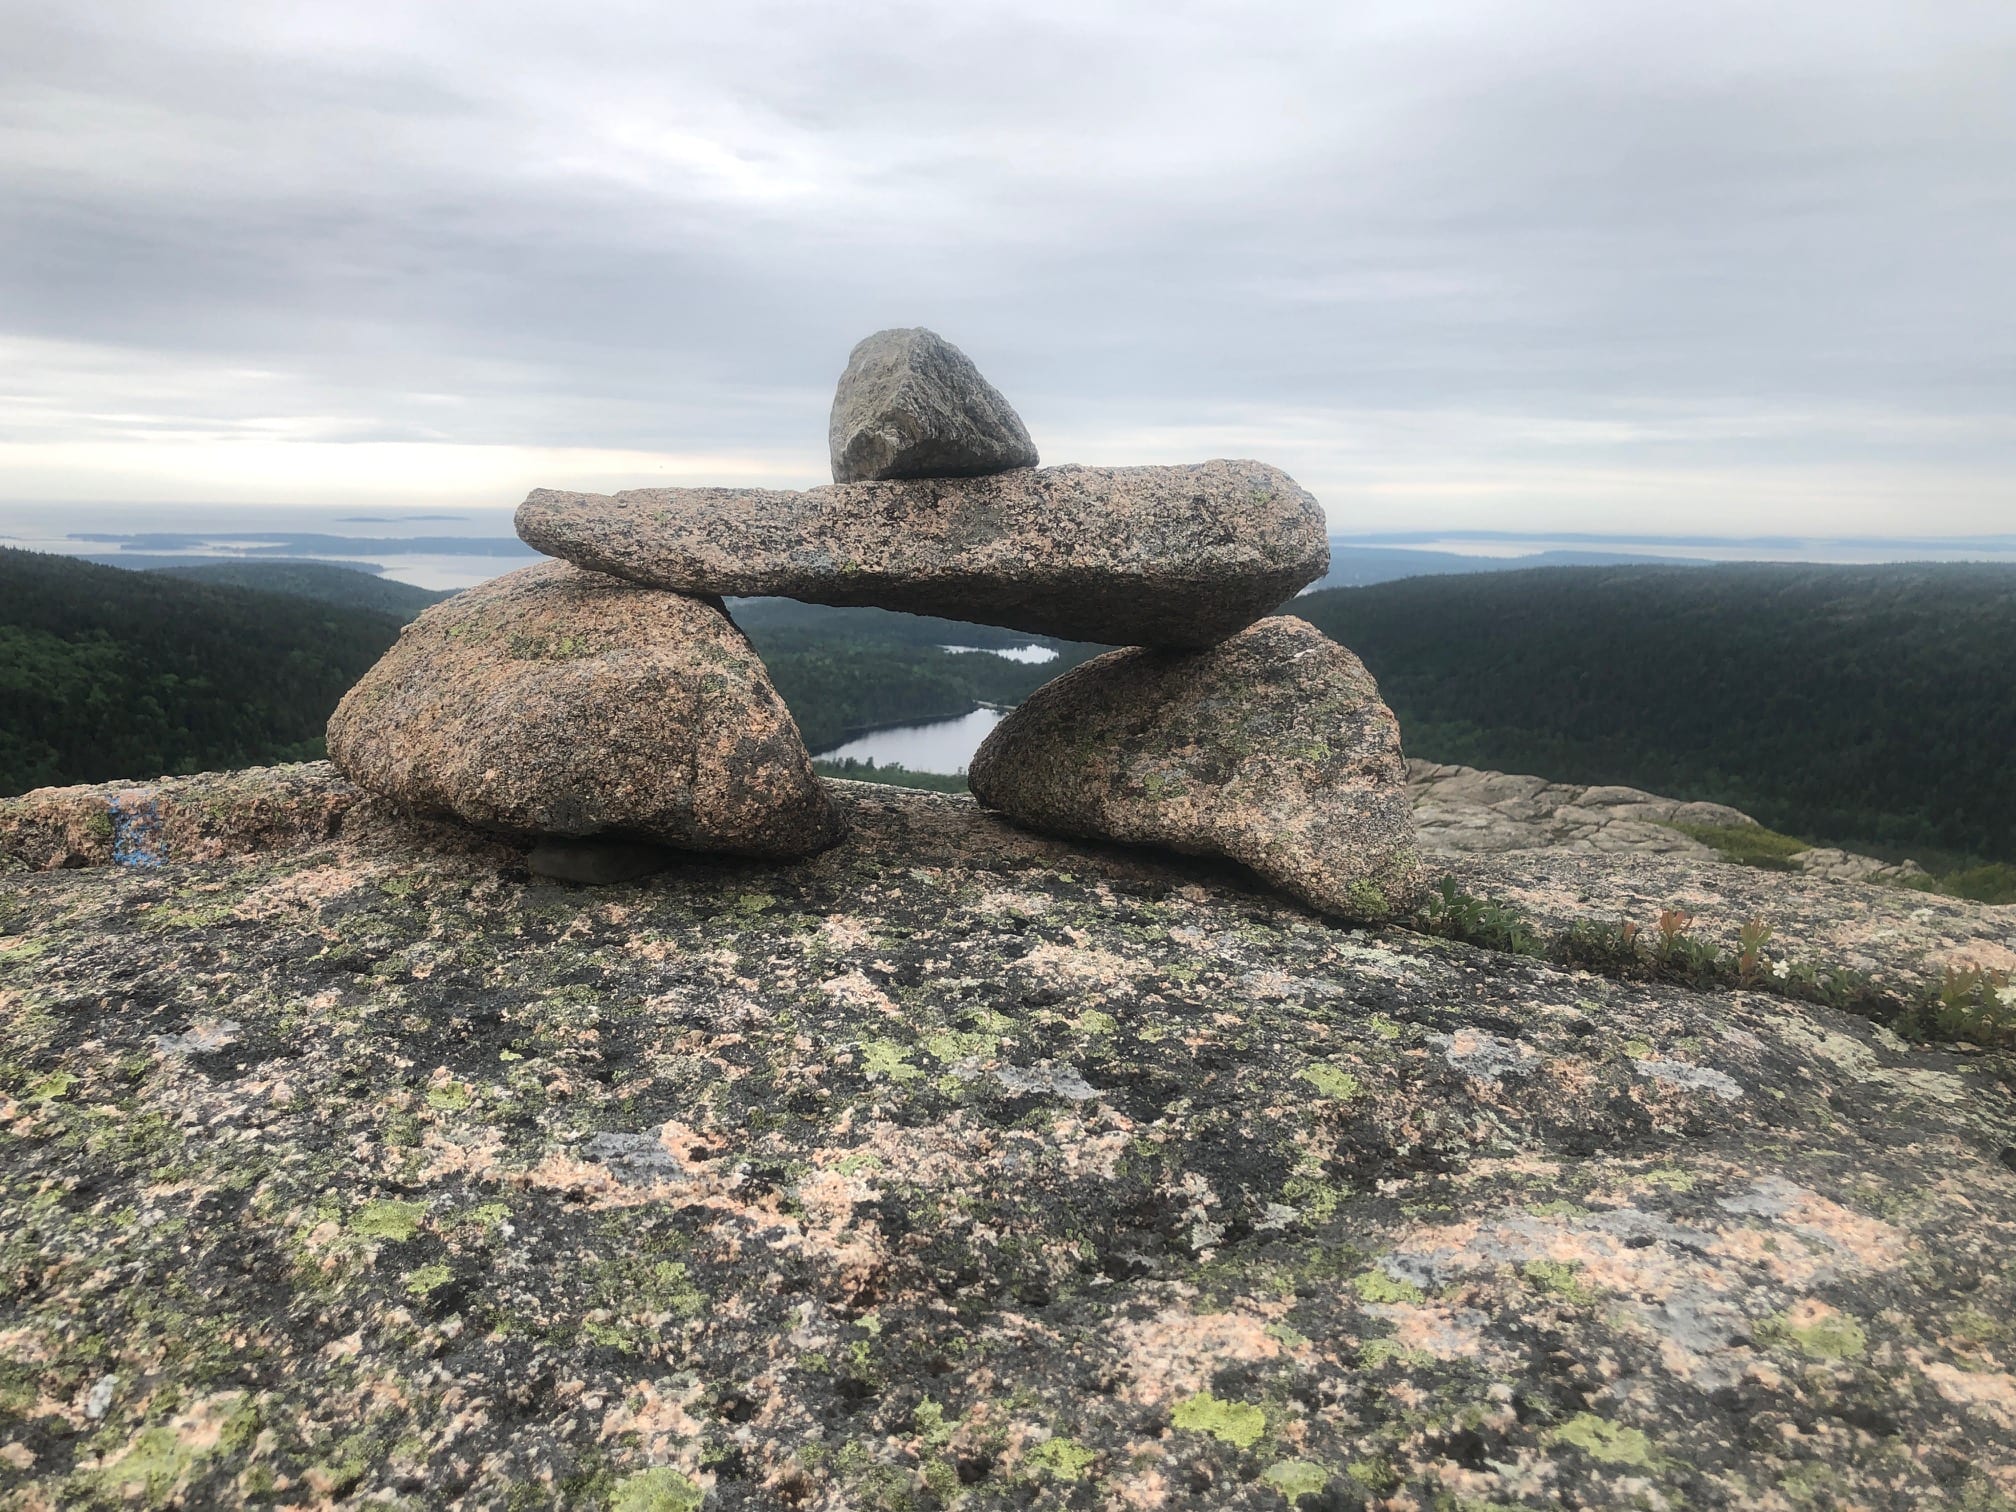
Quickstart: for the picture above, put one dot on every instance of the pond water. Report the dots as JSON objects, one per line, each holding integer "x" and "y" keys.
{"x": 943, "y": 745}
{"x": 1030, "y": 655}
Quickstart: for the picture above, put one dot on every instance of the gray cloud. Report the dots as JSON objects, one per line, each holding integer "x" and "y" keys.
{"x": 1457, "y": 257}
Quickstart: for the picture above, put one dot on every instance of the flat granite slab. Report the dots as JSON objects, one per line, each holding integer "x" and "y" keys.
{"x": 952, "y": 1168}
{"x": 1124, "y": 556}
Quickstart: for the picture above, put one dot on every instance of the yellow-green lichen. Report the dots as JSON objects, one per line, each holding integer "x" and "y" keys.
{"x": 450, "y": 1097}
{"x": 1822, "y": 1335}
{"x": 1064, "y": 1458}
{"x": 1672, "y": 1178}
{"x": 1601, "y": 1439}
{"x": 1330, "y": 1081}
{"x": 387, "y": 1220}
{"x": 660, "y": 1489}
{"x": 53, "y": 1087}
{"x": 1376, "y": 1352}
{"x": 151, "y": 1469}
{"x": 1558, "y": 1276}
{"x": 887, "y": 1058}
{"x": 1373, "y": 1475}
{"x": 1237, "y": 1423}
{"x": 1366, "y": 901}
{"x": 1296, "y": 1478}
{"x": 428, "y": 1278}
{"x": 1379, "y": 1287}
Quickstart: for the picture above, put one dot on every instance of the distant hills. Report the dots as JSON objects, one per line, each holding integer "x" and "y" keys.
{"x": 1360, "y": 566}
{"x": 326, "y": 583}
{"x": 1864, "y": 706}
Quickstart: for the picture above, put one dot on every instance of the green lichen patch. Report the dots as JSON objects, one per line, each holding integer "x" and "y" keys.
{"x": 1331, "y": 1081}
{"x": 1817, "y": 1331}
{"x": 427, "y": 1278}
{"x": 388, "y": 1219}
{"x": 1060, "y": 1457}
{"x": 1239, "y": 1424}
{"x": 1295, "y": 1479}
{"x": 1378, "y": 1286}
{"x": 660, "y": 1489}
{"x": 1559, "y": 1277}
{"x": 1601, "y": 1439}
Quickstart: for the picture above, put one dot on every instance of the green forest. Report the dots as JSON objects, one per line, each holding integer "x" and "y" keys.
{"x": 1868, "y": 707}
{"x": 326, "y": 583}
{"x": 108, "y": 673}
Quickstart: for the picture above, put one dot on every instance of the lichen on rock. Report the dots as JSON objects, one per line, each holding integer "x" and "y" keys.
{"x": 507, "y": 1193}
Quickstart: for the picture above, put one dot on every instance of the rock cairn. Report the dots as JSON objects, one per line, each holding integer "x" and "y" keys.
{"x": 609, "y": 694}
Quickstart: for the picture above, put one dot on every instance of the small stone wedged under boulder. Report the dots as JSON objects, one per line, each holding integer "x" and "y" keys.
{"x": 1129, "y": 556}
{"x": 557, "y": 702}
{"x": 912, "y": 405}
{"x": 1273, "y": 750}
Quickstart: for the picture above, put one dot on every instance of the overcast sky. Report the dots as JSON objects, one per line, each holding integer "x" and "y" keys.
{"x": 1591, "y": 266}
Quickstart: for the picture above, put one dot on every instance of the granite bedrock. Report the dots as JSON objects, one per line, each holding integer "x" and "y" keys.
{"x": 960, "y": 1167}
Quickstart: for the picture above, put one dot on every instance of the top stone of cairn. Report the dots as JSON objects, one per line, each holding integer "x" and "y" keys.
{"x": 912, "y": 405}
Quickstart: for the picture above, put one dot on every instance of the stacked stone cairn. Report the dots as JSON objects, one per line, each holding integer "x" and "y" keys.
{"x": 604, "y": 706}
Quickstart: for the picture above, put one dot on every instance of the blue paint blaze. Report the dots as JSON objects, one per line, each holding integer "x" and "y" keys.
{"x": 136, "y": 833}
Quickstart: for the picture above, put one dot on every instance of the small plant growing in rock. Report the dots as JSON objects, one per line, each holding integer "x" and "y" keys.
{"x": 1750, "y": 941}
{"x": 1598, "y": 946}
{"x": 1673, "y": 923}
{"x": 1485, "y": 922}
{"x": 1972, "y": 1004}
{"x": 1680, "y": 955}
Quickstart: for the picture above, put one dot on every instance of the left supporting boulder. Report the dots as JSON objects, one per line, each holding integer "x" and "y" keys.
{"x": 558, "y": 702}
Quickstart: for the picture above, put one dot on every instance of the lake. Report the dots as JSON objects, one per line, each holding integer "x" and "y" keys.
{"x": 943, "y": 745}
{"x": 1031, "y": 655}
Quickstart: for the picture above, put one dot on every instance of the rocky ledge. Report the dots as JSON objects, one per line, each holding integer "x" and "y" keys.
{"x": 345, "y": 1163}
{"x": 1461, "y": 810}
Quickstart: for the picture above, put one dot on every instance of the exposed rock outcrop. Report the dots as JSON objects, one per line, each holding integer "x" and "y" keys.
{"x": 205, "y": 817}
{"x": 1461, "y": 811}
{"x": 1156, "y": 556}
{"x": 912, "y": 405}
{"x": 957, "y": 1162}
{"x": 557, "y": 702}
{"x": 1272, "y": 749}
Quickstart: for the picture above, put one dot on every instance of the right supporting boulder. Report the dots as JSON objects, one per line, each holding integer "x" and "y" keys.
{"x": 1272, "y": 749}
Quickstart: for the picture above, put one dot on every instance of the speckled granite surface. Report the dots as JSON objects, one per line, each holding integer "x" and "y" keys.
{"x": 953, "y": 1167}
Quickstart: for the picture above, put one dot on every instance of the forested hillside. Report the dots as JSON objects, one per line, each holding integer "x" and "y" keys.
{"x": 107, "y": 673}
{"x": 1870, "y": 706}
{"x": 346, "y": 587}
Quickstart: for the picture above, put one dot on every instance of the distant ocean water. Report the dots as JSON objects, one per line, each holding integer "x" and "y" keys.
{"x": 458, "y": 548}
{"x": 430, "y": 549}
